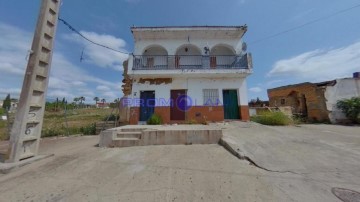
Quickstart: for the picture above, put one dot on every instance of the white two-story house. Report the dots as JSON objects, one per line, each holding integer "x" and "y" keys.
{"x": 188, "y": 74}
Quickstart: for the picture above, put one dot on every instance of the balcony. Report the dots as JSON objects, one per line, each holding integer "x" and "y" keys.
{"x": 192, "y": 62}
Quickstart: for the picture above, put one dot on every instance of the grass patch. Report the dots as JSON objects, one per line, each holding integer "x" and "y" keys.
{"x": 3, "y": 130}
{"x": 272, "y": 119}
{"x": 2, "y": 111}
{"x": 80, "y": 121}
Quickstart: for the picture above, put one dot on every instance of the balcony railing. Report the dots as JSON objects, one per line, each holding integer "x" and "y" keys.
{"x": 142, "y": 62}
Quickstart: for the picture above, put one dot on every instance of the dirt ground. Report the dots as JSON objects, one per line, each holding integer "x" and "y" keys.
{"x": 80, "y": 171}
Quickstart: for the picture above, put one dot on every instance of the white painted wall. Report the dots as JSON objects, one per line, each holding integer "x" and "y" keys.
{"x": 344, "y": 89}
{"x": 194, "y": 88}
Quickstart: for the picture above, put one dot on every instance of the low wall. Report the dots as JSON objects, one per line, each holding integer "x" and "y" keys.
{"x": 158, "y": 136}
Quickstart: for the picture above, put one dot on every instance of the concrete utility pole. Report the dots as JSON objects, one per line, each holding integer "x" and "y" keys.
{"x": 26, "y": 131}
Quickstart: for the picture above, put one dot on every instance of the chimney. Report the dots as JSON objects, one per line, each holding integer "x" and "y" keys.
{"x": 356, "y": 75}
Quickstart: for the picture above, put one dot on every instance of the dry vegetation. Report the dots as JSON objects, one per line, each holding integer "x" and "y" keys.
{"x": 78, "y": 121}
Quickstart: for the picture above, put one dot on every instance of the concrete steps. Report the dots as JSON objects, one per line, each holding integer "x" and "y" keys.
{"x": 125, "y": 142}
{"x": 127, "y": 139}
{"x": 159, "y": 135}
{"x": 125, "y": 135}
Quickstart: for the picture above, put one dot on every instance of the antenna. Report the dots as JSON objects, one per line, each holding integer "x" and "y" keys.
{"x": 82, "y": 55}
{"x": 244, "y": 47}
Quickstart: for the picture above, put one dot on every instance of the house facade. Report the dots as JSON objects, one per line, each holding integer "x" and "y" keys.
{"x": 316, "y": 101}
{"x": 183, "y": 74}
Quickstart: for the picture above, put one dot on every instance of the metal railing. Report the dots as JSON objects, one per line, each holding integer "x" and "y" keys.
{"x": 145, "y": 62}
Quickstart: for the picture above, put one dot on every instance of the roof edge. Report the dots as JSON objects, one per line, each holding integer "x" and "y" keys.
{"x": 184, "y": 27}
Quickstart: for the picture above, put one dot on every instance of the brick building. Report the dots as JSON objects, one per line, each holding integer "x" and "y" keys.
{"x": 306, "y": 99}
{"x": 316, "y": 101}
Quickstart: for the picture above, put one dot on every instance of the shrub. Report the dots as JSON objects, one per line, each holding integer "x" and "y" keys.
{"x": 112, "y": 117}
{"x": 351, "y": 108}
{"x": 59, "y": 131}
{"x": 88, "y": 130}
{"x": 272, "y": 119}
{"x": 2, "y": 111}
{"x": 155, "y": 120}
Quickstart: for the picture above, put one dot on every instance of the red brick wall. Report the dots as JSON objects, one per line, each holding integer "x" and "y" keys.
{"x": 134, "y": 115}
{"x": 199, "y": 114}
{"x": 315, "y": 101}
{"x": 164, "y": 113}
{"x": 244, "y": 113}
{"x": 202, "y": 114}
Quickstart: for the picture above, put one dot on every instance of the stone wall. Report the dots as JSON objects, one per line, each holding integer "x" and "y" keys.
{"x": 306, "y": 98}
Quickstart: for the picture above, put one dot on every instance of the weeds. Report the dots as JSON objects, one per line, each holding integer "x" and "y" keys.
{"x": 272, "y": 119}
{"x": 155, "y": 120}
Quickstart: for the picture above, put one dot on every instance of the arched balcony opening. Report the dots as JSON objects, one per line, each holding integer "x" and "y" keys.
{"x": 153, "y": 57}
{"x": 223, "y": 56}
{"x": 155, "y": 50}
{"x": 188, "y": 56}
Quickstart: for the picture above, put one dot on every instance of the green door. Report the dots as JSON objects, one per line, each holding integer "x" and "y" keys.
{"x": 231, "y": 107}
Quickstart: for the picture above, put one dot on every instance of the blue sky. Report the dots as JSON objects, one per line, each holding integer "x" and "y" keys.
{"x": 321, "y": 51}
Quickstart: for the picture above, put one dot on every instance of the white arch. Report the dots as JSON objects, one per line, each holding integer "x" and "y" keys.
{"x": 188, "y": 49}
{"x": 222, "y": 49}
{"x": 155, "y": 50}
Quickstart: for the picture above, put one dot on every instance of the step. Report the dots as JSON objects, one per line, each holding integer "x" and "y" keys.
{"x": 30, "y": 138}
{"x": 126, "y": 142}
{"x": 132, "y": 129}
{"x": 136, "y": 135}
{"x": 26, "y": 155}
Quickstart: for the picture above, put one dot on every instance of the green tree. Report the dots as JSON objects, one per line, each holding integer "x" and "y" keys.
{"x": 351, "y": 108}
{"x": 96, "y": 99}
{"x": 7, "y": 102}
{"x": 81, "y": 99}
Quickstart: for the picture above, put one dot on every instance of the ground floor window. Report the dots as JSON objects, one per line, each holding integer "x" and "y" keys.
{"x": 211, "y": 97}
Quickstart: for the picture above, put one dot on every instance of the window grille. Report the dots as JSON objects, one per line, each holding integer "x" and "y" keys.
{"x": 211, "y": 97}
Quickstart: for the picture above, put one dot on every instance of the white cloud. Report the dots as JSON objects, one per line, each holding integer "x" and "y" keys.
{"x": 14, "y": 45}
{"x": 69, "y": 75}
{"x": 60, "y": 94}
{"x": 66, "y": 79}
{"x": 12, "y": 91}
{"x": 102, "y": 88}
{"x": 255, "y": 89}
{"x": 100, "y": 56}
{"x": 109, "y": 94}
{"x": 320, "y": 64}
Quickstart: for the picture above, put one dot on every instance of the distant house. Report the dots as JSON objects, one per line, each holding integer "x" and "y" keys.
{"x": 188, "y": 73}
{"x": 102, "y": 105}
{"x": 316, "y": 101}
{"x": 14, "y": 105}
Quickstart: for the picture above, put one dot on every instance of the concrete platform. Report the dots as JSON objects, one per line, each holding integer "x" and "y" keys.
{"x": 142, "y": 135}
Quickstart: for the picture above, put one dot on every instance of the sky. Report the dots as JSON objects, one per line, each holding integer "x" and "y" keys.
{"x": 325, "y": 50}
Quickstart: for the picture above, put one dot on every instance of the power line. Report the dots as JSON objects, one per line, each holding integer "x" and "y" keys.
{"x": 87, "y": 39}
{"x": 305, "y": 24}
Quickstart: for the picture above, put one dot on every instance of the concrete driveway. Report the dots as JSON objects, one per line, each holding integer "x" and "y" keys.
{"x": 318, "y": 158}
{"x": 325, "y": 156}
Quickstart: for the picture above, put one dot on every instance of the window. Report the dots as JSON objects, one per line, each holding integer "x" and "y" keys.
{"x": 211, "y": 97}
{"x": 282, "y": 101}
